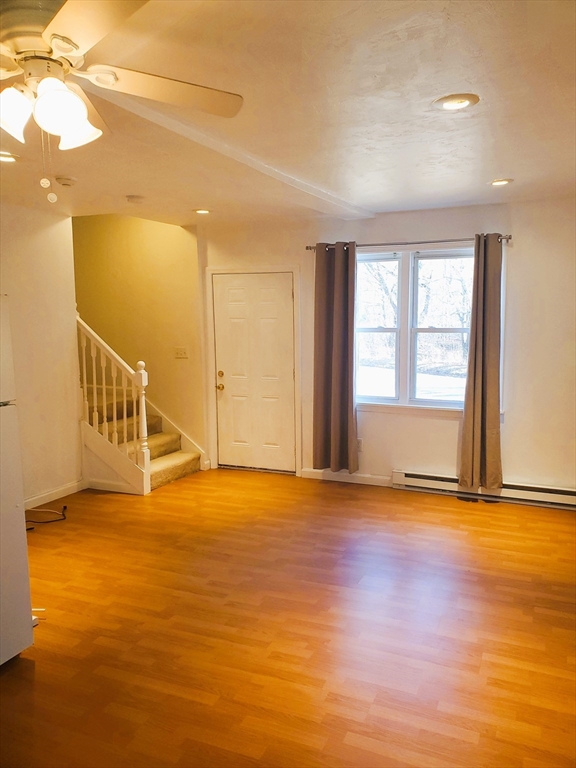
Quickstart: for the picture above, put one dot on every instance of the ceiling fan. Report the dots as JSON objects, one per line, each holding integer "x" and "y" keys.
{"x": 46, "y": 42}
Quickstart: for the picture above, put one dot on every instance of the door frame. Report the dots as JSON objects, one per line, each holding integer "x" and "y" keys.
{"x": 210, "y": 387}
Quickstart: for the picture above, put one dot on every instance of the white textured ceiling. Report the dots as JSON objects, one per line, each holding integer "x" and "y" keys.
{"x": 337, "y": 118}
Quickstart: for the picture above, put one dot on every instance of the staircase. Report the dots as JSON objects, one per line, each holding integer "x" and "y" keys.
{"x": 124, "y": 446}
{"x": 168, "y": 461}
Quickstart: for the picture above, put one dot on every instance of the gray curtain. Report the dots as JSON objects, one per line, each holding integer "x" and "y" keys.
{"x": 480, "y": 460}
{"x": 335, "y": 435}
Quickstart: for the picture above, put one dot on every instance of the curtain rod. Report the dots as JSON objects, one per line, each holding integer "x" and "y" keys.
{"x": 419, "y": 242}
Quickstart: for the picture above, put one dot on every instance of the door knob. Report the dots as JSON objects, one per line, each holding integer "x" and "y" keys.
{"x": 219, "y": 386}
{"x": 220, "y": 373}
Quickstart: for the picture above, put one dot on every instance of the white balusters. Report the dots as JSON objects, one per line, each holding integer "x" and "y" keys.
{"x": 124, "y": 412}
{"x": 84, "y": 382}
{"x": 142, "y": 383}
{"x": 127, "y": 386}
{"x": 134, "y": 416}
{"x": 104, "y": 395}
{"x": 114, "y": 373}
{"x": 93, "y": 352}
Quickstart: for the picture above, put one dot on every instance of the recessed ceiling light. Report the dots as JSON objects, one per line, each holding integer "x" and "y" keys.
{"x": 202, "y": 211}
{"x": 501, "y": 182}
{"x": 7, "y": 157}
{"x": 456, "y": 101}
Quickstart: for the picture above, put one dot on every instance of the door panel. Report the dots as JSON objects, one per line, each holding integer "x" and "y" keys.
{"x": 240, "y": 421}
{"x": 254, "y": 322}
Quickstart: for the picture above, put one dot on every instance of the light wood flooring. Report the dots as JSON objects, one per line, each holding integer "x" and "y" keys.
{"x": 237, "y": 619}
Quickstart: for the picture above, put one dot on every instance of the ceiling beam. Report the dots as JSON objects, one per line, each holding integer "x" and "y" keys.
{"x": 319, "y": 199}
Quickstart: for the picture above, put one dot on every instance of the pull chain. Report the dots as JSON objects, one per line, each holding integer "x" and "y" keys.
{"x": 52, "y": 196}
{"x": 45, "y": 182}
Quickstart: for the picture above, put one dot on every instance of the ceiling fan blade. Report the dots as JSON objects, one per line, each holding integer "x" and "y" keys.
{"x": 166, "y": 90}
{"x": 93, "y": 115}
{"x": 86, "y": 22}
{"x": 8, "y": 68}
{"x": 6, "y": 50}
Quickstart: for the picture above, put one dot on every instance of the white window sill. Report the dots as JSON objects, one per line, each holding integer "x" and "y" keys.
{"x": 421, "y": 411}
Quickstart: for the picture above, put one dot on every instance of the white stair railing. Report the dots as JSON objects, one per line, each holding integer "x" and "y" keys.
{"x": 108, "y": 382}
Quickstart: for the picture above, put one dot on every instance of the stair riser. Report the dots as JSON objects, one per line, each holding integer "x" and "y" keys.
{"x": 161, "y": 448}
{"x": 119, "y": 411}
{"x": 109, "y": 414}
{"x": 110, "y": 405}
{"x": 159, "y": 479}
{"x": 154, "y": 426}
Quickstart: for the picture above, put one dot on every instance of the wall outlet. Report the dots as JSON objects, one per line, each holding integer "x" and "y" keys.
{"x": 360, "y": 443}
{"x": 181, "y": 353}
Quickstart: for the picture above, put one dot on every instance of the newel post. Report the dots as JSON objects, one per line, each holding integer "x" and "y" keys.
{"x": 141, "y": 384}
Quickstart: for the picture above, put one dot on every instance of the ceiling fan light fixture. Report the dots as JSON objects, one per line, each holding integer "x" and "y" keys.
{"x": 83, "y": 134}
{"x": 57, "y": 109}
{"x": 15, "y": 111}
{"x": 7, "y": 157}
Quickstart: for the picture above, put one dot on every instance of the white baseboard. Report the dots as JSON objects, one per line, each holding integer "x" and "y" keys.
{"x": 111, "y": 486}
{"x": 56, "y": 493}
{"x": 204, "y": 465}
{"x": 345, "y": 477}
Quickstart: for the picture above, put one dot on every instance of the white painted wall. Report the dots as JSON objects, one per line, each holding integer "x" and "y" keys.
{"x": 538, "y": 428}
{"x": 137, "y": 286}
{"x": 37, "y": 272}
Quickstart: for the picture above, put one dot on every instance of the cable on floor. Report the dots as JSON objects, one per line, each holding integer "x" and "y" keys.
{"x": 60, "y": 516}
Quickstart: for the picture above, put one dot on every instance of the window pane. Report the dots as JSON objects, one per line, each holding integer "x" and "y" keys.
{"x": 376, "y": 364}
{"x": 377, "y": 294}
{"x": 444, "y": 292}
{"x": 441, "y": 363}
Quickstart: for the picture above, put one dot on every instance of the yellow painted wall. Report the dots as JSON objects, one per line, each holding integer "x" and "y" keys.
{"x": 137, "y": 286}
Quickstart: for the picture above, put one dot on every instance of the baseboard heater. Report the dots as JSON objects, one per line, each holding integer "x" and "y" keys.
{"x": 524, "y": 494}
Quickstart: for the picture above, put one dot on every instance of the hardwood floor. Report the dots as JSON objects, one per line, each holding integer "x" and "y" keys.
{"x": 238, "y": 619}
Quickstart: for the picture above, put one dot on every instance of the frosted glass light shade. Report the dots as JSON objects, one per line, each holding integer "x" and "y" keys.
{"x": 15, "y": 111}
{"x": 83, "y": 134}
{"x": 49, "y": 84}
{"x": 57, "y": 109}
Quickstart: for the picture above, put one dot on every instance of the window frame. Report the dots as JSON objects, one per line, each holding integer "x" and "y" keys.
{"x": 407, "y": 329}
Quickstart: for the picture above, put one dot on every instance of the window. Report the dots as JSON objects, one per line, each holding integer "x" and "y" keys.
{"x": 412, "y": 326}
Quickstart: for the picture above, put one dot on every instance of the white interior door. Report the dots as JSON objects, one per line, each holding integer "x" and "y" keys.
{"x": 254, "y": 330}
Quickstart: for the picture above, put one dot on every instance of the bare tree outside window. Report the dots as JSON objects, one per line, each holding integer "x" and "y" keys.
{"x": 377, "y": 322}
{"x": 434, "y": 344}
{"x": 443, "y": 301}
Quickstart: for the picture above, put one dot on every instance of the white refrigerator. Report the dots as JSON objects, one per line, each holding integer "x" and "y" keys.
{"x": 15, "y": 608}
